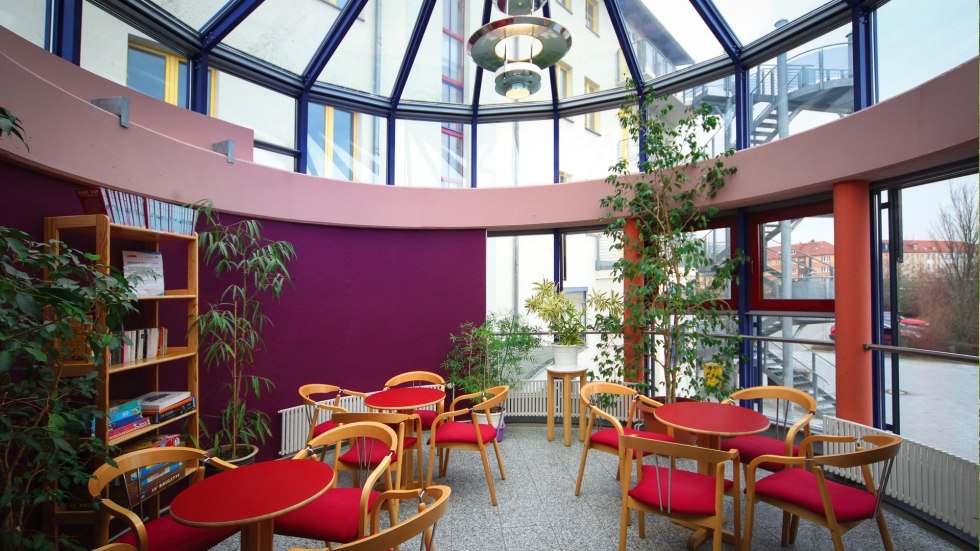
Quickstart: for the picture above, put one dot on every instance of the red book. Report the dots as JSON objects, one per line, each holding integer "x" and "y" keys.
{"x": 94, "y": 201}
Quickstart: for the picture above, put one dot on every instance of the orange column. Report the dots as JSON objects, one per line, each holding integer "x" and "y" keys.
{"x": 632, "y": 338}
{"x": 852, "y": 291}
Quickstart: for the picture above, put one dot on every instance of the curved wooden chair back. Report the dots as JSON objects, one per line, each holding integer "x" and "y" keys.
{"x": 408, "y": 445}
{"x": 116, "y": 547}
{"x": 322, "y": 401}
{"x": 607, "y": 439}
{"x": 157, "y": 526}
{"x": 804, "y": 491}
{"x": 664, "y": 488}
{"x": 308, "y": 521}
{"x": 450, "y": 434}
{"x": 794, "y": 409}
{"x": 431, "y": 506}
{"x": 427, "y": 377}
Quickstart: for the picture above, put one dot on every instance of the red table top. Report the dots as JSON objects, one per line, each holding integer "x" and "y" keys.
{"x": 409, "y": 397}
{"x": 251, "y": 493}
{"x": 712, "y": 418}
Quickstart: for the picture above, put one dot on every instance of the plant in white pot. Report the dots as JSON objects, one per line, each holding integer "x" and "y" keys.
{"x": 231, "y": 329}
{"x": 567, "y": 321}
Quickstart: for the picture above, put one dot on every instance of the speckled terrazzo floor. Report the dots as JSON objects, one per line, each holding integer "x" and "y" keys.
{"x": 537, "y": 510}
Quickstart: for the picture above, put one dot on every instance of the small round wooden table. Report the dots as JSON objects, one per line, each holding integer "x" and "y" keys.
{"x": 251, "y": 497}
{"x": 404, "y": 398}
{"x": 566, "y": 374}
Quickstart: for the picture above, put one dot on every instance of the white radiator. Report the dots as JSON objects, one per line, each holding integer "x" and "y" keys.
{"x": 935, "y": 482}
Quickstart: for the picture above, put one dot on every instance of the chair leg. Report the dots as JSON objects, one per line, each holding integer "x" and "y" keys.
{"x": 784, "y": 538}
{"x": 443, "y": 462}
{"x": 581, "y": 469}
{"x": 838, "y": 541}
{"x": 794, "y": 528}
{"x": 624, "y": 518}
{"x": 486, "y": 471}
{"x": 500, "y": 460}
{"x": 432, "y": 458}
{"x": 886, "y": 538}
{"x": 749, "y": 512}
{"x": 737, "y": 518}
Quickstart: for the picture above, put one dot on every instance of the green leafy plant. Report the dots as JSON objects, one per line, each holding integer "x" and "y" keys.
{"x": 56, "y": 305}
{"x": 10, "y": 125}
{"x": 564, "y": 318}
{"x": 655, "y": 217}
{"x": 231, "y": 329}
{"x": 489, "y": 354}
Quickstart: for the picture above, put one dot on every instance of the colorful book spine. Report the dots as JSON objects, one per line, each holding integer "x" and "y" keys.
{"x": 124, "y": 405}
{"x": 124, "y": 430}
{"x": 183, "y": 407}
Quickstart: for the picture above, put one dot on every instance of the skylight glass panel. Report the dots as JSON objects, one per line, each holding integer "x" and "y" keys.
{"x": 369, "y": 57}
{"x": 442, "y": 71}
{"x": 668, "y": 35}
{"x": 753, "y": 19}
{"x": 284, "y": 32}
{"x": 194, "y": 14}
{"x": 592, "y": 64}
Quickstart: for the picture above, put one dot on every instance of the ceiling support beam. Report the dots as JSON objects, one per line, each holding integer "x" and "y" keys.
{"x": 413, "y": 49}
{"x": 348, "y": 15}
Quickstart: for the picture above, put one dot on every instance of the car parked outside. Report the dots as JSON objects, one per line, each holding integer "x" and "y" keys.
{"x": 909, "y": 329}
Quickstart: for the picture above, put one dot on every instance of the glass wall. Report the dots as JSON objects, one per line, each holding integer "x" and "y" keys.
{"x": 236, "y": 101}
{"x": 515, "y": 153}
{"x": 345, "y": 145}
{"x": 514, "y": 264}
{"x": 589, "y": 144}
{"x": 798, "y": 258}
{"x": 27, "y": 19}
{"x": 431, "y": 154}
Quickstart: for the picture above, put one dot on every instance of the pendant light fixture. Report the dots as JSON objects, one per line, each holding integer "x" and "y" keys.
{"x": 518, "y": 47}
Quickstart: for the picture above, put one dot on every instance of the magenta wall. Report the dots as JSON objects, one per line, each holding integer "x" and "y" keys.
{"x": 364, "y": 305}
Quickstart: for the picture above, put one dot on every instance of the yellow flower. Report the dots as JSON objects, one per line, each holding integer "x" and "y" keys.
{"x": 714, "y": 374}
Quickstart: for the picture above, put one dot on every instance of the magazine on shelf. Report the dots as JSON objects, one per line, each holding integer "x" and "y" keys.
{"x": 180, "y": 408}
{"x": 144, "y": 269}
{"x": 126, "y": 429}
{"x": 155, "y": 402}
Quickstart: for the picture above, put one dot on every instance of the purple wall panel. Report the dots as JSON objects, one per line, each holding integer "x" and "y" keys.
{"x": 364, "y": 304}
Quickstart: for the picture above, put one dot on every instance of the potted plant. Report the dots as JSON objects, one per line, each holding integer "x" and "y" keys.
{"x": 489, "y": 354}
{"x": 568, "y": 322}
{"x": 56, "y": 304}
{"x": 673, "y": 281}
{"x": 231, "y": 329}
{"x": 10, "y": 125}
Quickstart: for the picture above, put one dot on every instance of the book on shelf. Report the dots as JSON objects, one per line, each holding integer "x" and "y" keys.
{"x": 152, "y": 441}
{"x": 124, "y": 405}
{"x": 155, "y": 402}
{"x": 143, "y": 487}
{"x": 123, "y": 421}
{"x": 178, "y": 409}
{"x": 140, "y": 344}
{"x": 144, "y": 270}
{"x": 94, "y": 201}
{"x": 131, "y": 427}
{"x": 135, "y": 210}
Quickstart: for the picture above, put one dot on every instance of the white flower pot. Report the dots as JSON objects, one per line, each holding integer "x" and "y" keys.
{"x": 566, "y": 356}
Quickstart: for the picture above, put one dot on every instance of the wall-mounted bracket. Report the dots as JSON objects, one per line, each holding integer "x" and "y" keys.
{"x": 117, "y": 105}
{"x": 227, "y": 147}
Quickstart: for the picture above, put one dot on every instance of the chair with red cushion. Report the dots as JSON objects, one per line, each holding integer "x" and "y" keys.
{"x": 805, "y": 491}
{"x": 341, "y": 514}
{"x": 430, "y": 503}
{"x": 686, "y": 497}
{"x": 426, "y": 378}
{"x": 471, "y": 433}
{"x": 408, "y": 446}
{"x": 607, "y": 439}
{"x": 153, "y": 532}
{"x": 794, "y": 409}
{"x": 322, "y": 402}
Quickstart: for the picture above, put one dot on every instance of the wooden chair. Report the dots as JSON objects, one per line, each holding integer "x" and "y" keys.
{"x": 341, "y": 514}
{"x": 427, "y": 378}
{"x": 432, "y": 503}
{"x": 804, "y": 490}
{"x": 784, "y": 399}
{"x": 408, "y": 446}
{"x": 152, "y": 531}
{"x": 449, "y": 434}
{"x": 686, "y": 497}
{"x": 607, "y": 439}
{"x": 317, "y": 398}
{"x": 116, "y": 547}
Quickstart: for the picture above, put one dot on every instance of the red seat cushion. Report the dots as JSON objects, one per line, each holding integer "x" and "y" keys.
{"x": 689, "y": 493}
{"x": 455, "y": 431}
{"x": 334, "y": 516}
{"x": 324, "y": 427}
{"x": 799, "y": 486}
{"x": 609, "y": 437}
{"x": 427, "y": 416}
{"x": 752, "y": 446}
{"x": 166, "y": 534}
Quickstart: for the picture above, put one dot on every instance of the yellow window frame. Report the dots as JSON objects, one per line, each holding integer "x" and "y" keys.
{"x": 328, "y": 141}
{"x": 171, "y": 72}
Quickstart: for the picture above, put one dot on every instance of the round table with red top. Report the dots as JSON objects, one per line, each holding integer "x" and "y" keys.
{"x": 404, "y": 398}
{"x": 251, "y": 496}
{"x": 712, "y": 421}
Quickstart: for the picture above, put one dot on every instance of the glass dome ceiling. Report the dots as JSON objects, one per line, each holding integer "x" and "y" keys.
{"x": 408, "y": 58}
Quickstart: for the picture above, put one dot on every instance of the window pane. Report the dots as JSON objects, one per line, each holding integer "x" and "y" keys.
{"x": 345, "y": 145}
{"x": 182, "y": 84}
{"x": 514, "y": 264}
{"x": 515, "y": 154}
{"x": 588, "y": 265}
{"x": 195, "y": 14}
{"x": 146, "y": 72}
{"x": 587, "y": 154}
{"x": 26, "y": 19}
{"x": 753, "y": 19}
{"x": 718, "y": 246}
{"x": 430, "y": 155}
{"x": 799, "y": 258}
{"x": 804, "y": 88}
{"x": 273, "y": 159}
{"x": 237, "y": 100}
{"x": 915, "y": 44}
